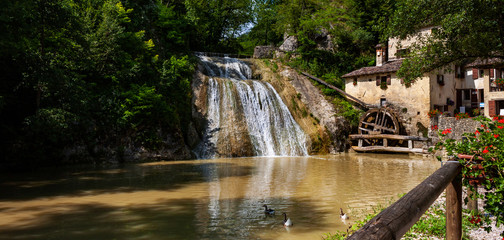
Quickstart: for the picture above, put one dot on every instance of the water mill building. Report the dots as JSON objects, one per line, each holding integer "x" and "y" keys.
{"x": 451, "y": 89}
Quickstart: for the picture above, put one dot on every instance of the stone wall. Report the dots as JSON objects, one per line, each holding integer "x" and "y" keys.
{"x": 458, "y": 127}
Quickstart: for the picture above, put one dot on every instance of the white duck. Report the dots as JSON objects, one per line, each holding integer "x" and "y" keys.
{"x": 342, "y": 215}
{"x": 287, "y": 222}
{"x": 268, "y": 211}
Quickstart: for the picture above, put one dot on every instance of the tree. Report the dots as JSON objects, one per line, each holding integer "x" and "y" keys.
{"x": 464, "y": 30}
{"x": 219, "y": 22}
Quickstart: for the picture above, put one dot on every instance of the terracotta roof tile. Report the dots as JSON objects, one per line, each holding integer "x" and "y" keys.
{"x": 385, "y": 68}
{"x": 489, "y": 62}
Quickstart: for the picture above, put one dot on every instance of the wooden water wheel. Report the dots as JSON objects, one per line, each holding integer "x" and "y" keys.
{"x": 379, "y": 121}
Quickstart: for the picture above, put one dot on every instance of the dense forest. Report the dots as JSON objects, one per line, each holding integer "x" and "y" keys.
{"x": 87, "y": 73}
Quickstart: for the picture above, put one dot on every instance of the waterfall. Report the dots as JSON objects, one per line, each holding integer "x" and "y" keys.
{"x": 245, "y": 117}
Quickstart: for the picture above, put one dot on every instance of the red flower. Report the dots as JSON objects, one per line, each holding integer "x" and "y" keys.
{"x": 486, "y": 149}
{"x": 446, "y": 131}
{"x": 501, "y": 121}
{"x": 495, "y": 118}
{"x": 496, "y": 135}
{"x": 500, "y": 127}
{"x": 477, "y": 132}
{"x": 434, "y": 127}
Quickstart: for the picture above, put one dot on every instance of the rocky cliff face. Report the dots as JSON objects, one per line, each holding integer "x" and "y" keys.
{"x": 314, "y": 113}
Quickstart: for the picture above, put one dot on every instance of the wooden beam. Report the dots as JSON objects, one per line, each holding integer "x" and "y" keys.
{"x": 363, "y": 104}
{"x": 378, "y": 126}
{"x": 397, "y": 219}
{"x": 389, "y": 149}
{"x": 454, "y": 209}
{"x": 387, "y": 136}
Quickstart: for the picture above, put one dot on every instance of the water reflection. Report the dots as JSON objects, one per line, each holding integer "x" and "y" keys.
{"x": 204, "y": 199}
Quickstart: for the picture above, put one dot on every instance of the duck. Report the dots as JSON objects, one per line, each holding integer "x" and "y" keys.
{"x": 287, "y": 222}
{"x": 268, "y": 211}
{"x": 342, "y": 215}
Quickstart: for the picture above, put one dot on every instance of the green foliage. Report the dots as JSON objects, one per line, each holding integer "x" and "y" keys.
{"x": 349, "y": 112}
{"x": 91, "y": 73}
{"x": 218, "y": 22}
{"x": 465, "y": 30}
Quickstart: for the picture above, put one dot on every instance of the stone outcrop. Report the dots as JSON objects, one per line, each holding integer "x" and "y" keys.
{"x": 324, "y": 41}
{"x": 264, "y": 51}
{"x": 290, "y": 44}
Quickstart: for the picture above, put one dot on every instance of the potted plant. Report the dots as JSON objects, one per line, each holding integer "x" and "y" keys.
{"x": 433, "y": 113}
{"x": 499, "y": 82}
{"x": 383, "y": 85}
{"x": 481, "y": 154}
{"x": 459, "y": 116}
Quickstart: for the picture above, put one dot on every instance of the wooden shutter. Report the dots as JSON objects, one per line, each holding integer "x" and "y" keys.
{"x": 378, "y": 81}
{"x": 458, "y": 102}
{"x": 475, "y": 73}
{"x": 389, "y": 80}
{"x": 474, "y": 98}
{"x": 492, "y": 108}
{"x": 491, "y": 72}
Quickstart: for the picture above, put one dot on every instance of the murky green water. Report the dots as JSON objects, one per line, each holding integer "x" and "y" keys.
{"x": 204, "y": 199}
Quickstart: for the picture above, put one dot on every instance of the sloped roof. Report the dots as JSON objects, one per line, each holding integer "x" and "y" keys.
{"x": 489, "y": 62}
{"x": 385, "y": 68}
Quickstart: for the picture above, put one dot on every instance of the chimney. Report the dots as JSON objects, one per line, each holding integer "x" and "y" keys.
{"x": 381, "y": 54}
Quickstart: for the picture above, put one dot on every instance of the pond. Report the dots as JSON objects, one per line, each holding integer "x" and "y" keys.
{"x": 205, "y": 199}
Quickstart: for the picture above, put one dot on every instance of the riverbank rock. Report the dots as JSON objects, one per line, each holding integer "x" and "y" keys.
{"x": 171, "y": 147}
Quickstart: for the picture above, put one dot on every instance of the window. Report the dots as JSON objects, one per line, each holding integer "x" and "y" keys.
{"x": 481, "y": 72}
{"x": 401, "y": 53}
{"x": 459, "y": 71}
{"x": 440, "y": 80}
{"x": 466, "y": 94}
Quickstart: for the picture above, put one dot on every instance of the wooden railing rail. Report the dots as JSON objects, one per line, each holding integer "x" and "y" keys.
{"x": 214, "y": 54}
{"x": 398, "y": 218}
{"x": 348, "y": 96}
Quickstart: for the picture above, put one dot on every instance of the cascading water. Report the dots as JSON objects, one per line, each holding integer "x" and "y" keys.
{"x": 245, "y": 117}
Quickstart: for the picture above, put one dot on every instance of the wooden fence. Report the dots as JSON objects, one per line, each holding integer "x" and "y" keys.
{"x": 213, "y": 54}
{"x": 398, "y": 218}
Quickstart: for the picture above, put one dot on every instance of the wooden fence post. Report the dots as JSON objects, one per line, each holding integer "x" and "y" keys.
{"x": 454, "y": 209}
{"x": 393, "y": 222}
